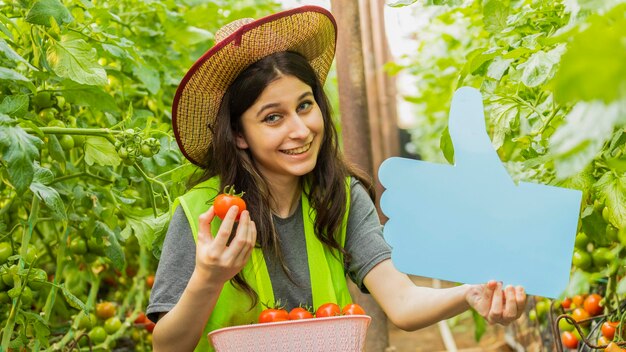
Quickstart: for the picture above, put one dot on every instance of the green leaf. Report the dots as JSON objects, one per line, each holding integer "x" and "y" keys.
{"x": 99, "y": 150}
{"x": 42, "y": 331}
{"x": 145, "y": 226}
{"x": 503, "y": 117}
{"x": 20, "y": 150}
{"x": 541, "y": 66}
{"x": 93, "y": 97}
{"x": 593, "y": 66}
{"x": 621, "y": 287}
{"x": 612, "y": 190}
{"x": 13, "y": 55}
{"x": 497, "y": 68}
{"x": 401, "y": 3}
{"x": 578, "y": 284}
{"x": 55, "y": 150}
{"x": 51, "y": 199}
{"x": 72, "y": 300}
{"x": 74, "y": 59}
{"x": 112, "y": 248}
{"x": 10, "y": 75}
{"x": 580, "y": 139}
{"x": 480, "y": 325}
{"x": 42, "y": 10}
{"x": 14, "y": 105}
{"x": 445, "y": 143}
{"x": 43, "y": 175}
{"x": 149, "y": 77}
{"x": 495, "y": 13}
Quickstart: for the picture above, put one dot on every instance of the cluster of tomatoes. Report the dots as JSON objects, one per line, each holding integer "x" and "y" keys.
{"x": 271, "y": 315}
{"x": 582, "y": 308}
{"x": 104, "y": 322}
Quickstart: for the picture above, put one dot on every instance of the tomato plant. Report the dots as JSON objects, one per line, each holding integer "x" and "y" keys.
{"x": 90, "y": 167}
{"x": 227, "y": 199}
{"x": 328, "y": 310}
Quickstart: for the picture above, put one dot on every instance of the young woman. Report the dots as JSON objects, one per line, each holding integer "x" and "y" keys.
{"x": 252, "y": 113}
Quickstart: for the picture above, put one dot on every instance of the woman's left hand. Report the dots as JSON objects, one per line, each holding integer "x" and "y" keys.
{"x": 497, "y": 304}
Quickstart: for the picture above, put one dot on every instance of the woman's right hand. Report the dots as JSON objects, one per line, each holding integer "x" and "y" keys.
{"x": 216, "y": 261}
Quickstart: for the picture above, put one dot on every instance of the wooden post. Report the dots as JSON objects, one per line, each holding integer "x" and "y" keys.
{"x": 367, "y": 105}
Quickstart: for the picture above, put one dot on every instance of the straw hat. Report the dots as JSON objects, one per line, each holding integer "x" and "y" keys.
{"x": 308, "y": 30}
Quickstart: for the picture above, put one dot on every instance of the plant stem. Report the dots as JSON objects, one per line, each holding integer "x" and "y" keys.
{"x": 26, "y": 235}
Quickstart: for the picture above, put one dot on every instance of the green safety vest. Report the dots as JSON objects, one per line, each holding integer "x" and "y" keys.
{"x": 328, "y": 282}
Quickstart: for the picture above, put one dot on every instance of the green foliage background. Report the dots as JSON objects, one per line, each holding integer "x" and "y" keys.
{"x": 553, "y": 79}
{"x": 89, "y": 167}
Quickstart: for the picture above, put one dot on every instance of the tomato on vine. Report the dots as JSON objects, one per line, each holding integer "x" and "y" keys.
{"x": 105, "y": 310}
{"x": 608, "y": 329}
{"x": 592, "y": 304}
{"x": 97, "y": 334}
{"x": 224, "y": 201}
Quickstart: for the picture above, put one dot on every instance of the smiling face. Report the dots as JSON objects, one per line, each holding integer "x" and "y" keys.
{"x": 283, "y": 129}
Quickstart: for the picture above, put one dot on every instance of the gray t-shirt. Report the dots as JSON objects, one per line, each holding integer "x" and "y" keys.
{"x": 364, "y": 242}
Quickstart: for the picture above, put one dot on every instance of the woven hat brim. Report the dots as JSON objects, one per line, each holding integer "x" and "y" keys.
{"x": 308, "y": 30}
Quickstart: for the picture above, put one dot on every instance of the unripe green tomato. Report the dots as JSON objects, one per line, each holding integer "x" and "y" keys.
{"x": 123, "y": 153}
{"x": 43, "y": 100}
{"x": 602, "y": 256}
{"x": 94, "y": 246}
{"x": 146, "y": 151}
{"x": 582, "y": 240}
{"x": 67, "y": 142}
{"x": 532, "y": 315}
{"x": 47, "y": 115}
{"x": 27, "y": 296}
{"x": 37, "y": 279}
{"x": 5, "y": 251}
{"x": 112, "y": 324}
{"x": 56, "y": 123}
{"x": 86, "y": 321}
{"x": 4, "y": 297}
{"x": 97, "y": 334}
{"x": 7, "y": 276}
{"x": 611, "y": 233}
{"x": 606, "y": 214}
{"x": 542, "y": 308}
{"x": 564, "y": 325}
{"x": 581, "y": 259}
{"x": 78, "y": 245}
{"x": 31, "y": 253}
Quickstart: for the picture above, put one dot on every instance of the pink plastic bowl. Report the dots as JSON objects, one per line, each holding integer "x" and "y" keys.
{"x": 343, "y": 333}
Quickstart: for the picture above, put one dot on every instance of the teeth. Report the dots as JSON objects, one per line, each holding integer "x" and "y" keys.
{"x": 297, "y": 150}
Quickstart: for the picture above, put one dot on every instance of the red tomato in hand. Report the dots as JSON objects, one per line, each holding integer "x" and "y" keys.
{"x": 328, "y": 310}
{"x": 299, "y": 313}
{"x": 592, "y": 304}
{"x": 271, "y": 315}
{"x": 353, "y": 309}
{"x": 608, "y": 329}
{"x": 224, "y": 201}
{"x": 569, "y": 339}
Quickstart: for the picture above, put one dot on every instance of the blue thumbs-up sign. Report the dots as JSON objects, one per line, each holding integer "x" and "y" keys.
{"x": 469, "y": 222}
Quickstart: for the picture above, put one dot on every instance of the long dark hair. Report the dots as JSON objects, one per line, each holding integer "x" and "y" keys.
{"x": 234, "y": 166}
